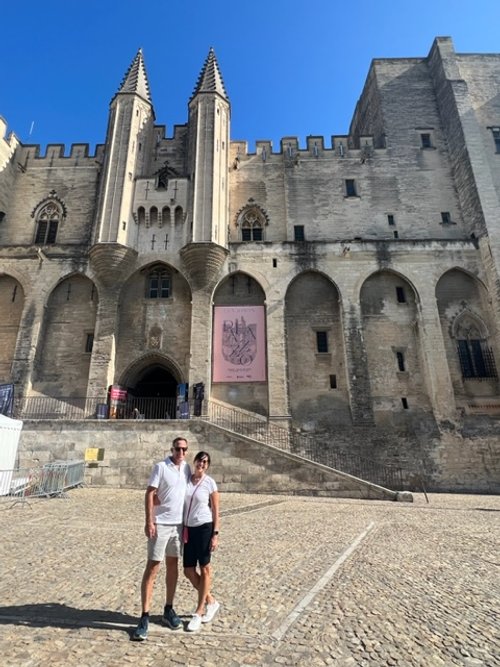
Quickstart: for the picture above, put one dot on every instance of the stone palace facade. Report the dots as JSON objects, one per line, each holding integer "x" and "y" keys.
{"x": 347, "y": 288}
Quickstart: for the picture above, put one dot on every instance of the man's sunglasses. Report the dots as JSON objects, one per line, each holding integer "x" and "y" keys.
{"x": 180, "y": 449}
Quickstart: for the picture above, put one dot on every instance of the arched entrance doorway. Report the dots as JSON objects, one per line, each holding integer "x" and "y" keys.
{"x": 152, "y": 391}
{"x": 156, "y": 382}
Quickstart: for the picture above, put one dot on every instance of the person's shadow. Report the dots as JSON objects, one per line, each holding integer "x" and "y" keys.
{"x": 56, "y": 615}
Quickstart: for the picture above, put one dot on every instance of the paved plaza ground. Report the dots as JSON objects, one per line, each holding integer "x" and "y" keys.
{"x": 301, "y": 581}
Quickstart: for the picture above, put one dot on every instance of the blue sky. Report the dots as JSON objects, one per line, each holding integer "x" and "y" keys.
{"x": 291, "y": 68}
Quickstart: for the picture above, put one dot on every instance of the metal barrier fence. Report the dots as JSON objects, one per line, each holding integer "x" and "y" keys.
{"x": 48, "y": 407}
{"x": 70, "y": 408}
{"x": 257, "y": 427}
{"x": 51, "y": 480}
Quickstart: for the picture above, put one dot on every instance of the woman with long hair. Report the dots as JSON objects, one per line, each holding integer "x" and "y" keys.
{"x": 201, "y": 537}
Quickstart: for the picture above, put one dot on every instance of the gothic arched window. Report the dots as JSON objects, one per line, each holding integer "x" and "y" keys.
{"x": 159, "y": 284}
{"x": 475, "y": 355}
{"x": 47, "y": 223}
{"x": 251, "y": 222}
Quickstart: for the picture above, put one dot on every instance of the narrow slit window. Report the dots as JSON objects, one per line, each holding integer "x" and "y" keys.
{"x": 350, "y": 187}
{"x": 333, "y": 382}
{"x": 400, "y": 295}
{"x": 321, "y": 341}
{"x": 89, "y": 342}
{"x": 404, "y": 403}
{"x": 298, "y": 233}
{"x": 496, "y": 138}
{"x": 425, "y": 140}
{"x": 401, "y": 361}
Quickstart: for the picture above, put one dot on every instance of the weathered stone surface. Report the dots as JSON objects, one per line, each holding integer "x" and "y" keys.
{"x": 375, "y": 257}
{"x": 420, "y": 590}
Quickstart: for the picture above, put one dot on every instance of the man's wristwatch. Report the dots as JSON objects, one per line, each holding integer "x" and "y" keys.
{"x": 216, "y": 532}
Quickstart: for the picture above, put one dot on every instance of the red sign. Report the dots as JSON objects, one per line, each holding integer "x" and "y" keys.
{"x": 118, "y": 393}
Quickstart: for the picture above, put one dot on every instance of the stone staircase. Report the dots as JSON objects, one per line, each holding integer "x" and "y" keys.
{"x": 240, "y": 462}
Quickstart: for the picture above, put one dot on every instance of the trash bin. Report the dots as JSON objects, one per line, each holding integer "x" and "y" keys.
{"x": 101, "y": 411}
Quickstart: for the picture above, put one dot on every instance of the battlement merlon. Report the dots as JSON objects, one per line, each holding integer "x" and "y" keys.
{"x": 77, "y": 154}
{"x": 340, "y": 145}
{"x": 160, "y": 132}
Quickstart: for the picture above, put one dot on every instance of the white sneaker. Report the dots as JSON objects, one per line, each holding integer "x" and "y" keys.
{"x": 212, "y": 609}
{"x": 194, "y": 624}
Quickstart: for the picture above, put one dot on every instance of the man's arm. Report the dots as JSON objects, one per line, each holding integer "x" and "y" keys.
{"x": 150, "y": 526}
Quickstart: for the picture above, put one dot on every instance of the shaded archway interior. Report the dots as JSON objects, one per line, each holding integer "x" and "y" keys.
{"x": 153, "y": 394}
{"x": 154, "y": 382}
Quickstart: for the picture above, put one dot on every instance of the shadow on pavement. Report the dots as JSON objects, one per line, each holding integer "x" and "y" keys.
{"x": 61, "y": 616}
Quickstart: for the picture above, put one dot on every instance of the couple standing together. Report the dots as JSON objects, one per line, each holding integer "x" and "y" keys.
{"x": 177, "y": 496}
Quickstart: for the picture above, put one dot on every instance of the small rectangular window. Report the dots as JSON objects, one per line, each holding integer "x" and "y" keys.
{"x": 322, "y": 341}
{"x": 257, "y": 233}
{"x": 159, "y": 285}
{"x": 246, "y": 234}
{"x": 391, "y": 220}
{"x": 333, "y": 382}
{"x": 401, "y": 361}
{"x": 425, "y": 139}
{"x": 496, "y": 137}
{"x": 89, "y": 342}
{"x": 395, "y": 234}
{"x": 350, "y": 187}
{"x": 275, "y": 262}
{"x": 164, "y": 287}
{"x": 298, "y": 233}
{"x": 404, "y": 403}
{"x": 153, "y": 288}
{"x": 400, "y": 294}
{"x": 445, "y": 217}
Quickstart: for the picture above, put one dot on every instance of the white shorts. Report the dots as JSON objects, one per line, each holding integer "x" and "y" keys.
{"x": 167, "y": 542}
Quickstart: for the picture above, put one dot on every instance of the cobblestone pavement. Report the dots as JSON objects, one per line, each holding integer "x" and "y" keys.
{"x": 301, "y": 581}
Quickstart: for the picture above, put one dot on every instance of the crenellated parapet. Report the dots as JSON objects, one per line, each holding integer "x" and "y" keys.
{"x": 341, "y": 146}
{"x": 8, "y": 144}
{"x": 78, "y": 154}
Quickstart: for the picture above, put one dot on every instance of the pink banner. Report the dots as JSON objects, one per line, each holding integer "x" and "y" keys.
{"x": 239, "y": 344}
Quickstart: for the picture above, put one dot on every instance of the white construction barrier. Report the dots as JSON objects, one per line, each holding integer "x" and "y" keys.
{"x": 10, "y": 430}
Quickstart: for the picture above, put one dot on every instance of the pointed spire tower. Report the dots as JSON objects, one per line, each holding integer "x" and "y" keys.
{"x": 135, "y": 80}
{"x": 209, "y": 121}
{"x": 210, "y": 79}
{"x": 130, "y": 132}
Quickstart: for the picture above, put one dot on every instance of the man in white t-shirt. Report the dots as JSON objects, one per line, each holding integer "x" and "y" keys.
{"x": 164, "y": 504}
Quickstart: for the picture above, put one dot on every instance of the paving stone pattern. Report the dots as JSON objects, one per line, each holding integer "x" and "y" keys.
{"x": 421, "y": 588}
